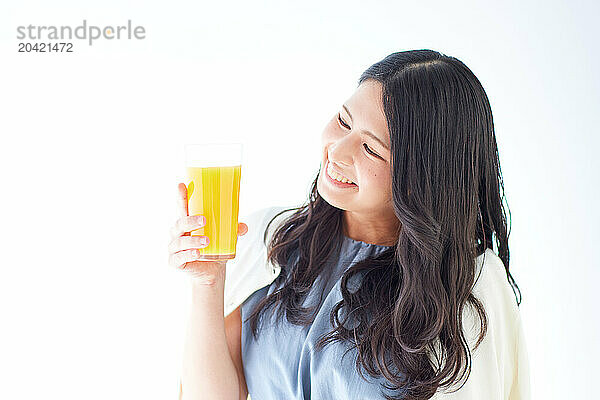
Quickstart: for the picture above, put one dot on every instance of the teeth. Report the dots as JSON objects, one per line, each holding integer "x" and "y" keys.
{"x": 335, "y": 176}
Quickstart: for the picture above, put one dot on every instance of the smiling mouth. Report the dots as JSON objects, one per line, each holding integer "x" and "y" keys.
{"x": 337, "y": 183}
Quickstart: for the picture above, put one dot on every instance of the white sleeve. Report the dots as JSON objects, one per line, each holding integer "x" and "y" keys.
{"x": 249, "y": 270}
{"x": 499, "y": 369}
{"x": 521, "y": 389}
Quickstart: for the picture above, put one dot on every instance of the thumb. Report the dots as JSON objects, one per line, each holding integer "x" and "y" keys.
{"x": 242, "y": 229}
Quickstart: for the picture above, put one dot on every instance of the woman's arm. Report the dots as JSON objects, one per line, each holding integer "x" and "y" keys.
{"x": 208, "y": 369}
{"x": 233, "y": 329}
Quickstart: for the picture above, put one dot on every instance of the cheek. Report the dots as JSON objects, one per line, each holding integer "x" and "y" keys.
{"x": 379, "y": 181}
{"x": 328, "y": 134}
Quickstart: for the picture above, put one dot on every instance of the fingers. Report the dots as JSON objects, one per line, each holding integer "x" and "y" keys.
{"x": 182, "y": 200}
{"x": 242, "y": 229}
{"x": 182, "y": 243}
{"x": 186, "y": 224}
{"x": 178, "y": 260}
{"x": 184, "y": 249}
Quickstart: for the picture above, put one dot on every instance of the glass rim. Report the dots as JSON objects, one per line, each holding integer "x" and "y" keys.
{"x": 208, "y": 154}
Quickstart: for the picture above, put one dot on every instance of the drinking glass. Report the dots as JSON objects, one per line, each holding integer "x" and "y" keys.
{"x": 213, "y": 175}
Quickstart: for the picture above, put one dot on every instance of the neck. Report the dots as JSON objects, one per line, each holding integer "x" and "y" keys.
{"x": 375, "y": 229}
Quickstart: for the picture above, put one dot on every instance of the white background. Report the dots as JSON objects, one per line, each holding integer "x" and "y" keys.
{"x": 91, "y": 154}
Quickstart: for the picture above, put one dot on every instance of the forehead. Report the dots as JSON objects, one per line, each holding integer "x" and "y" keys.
{"x": 366, "y": 108}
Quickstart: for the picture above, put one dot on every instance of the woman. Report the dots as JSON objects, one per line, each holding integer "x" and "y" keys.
{"x": 386, "y": 283}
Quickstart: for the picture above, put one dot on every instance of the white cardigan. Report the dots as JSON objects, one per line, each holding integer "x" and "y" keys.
{"x": 249, "y": 270}
{"x": 499, "y": 369}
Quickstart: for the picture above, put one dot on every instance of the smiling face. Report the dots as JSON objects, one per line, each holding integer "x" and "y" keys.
{"x": 356, "y": 143}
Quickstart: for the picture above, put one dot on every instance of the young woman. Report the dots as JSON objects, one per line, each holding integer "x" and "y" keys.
{"x": 385, "y": 284}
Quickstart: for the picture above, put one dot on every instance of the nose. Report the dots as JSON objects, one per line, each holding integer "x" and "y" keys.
{"x": 341, "y": 152}
{"x": 337, "y": 162}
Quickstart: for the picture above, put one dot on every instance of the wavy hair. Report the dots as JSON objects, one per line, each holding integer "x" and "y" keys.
{"x": 405, "y": 319}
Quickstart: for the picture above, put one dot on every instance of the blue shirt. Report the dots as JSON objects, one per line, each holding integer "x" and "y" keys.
{"x": 282, "y": 363}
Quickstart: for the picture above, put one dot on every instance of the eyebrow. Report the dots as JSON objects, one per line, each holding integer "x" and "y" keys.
{"x": 368, "y": 133}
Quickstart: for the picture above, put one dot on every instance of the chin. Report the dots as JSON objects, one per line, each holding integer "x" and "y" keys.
{"x": 331, "y": 198}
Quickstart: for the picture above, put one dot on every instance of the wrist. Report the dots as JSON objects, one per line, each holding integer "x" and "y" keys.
{"x": 212, "y": 280}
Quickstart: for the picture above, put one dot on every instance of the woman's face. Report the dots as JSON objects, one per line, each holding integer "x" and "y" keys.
{"x": 358, "y": 156}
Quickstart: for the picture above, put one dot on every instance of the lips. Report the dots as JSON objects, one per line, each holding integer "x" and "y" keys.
{"x": 330, "y": 166}
{"x": 338, "y": 183}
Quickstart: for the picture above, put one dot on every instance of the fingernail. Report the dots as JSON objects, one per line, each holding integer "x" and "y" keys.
{"x": 202, "y": 220}
{"x": 204, "y": 240}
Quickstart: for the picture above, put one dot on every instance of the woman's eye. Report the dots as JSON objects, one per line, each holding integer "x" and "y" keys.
{"x": 342, "y": 122}
{"x": 364, "y": 144}
{"x": 369, "y": 150}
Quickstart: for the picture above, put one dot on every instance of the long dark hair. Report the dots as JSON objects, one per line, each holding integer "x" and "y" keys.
{"x": 447, "y": 193}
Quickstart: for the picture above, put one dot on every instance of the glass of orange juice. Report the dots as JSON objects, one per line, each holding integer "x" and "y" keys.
{"x": 213, "y": 184}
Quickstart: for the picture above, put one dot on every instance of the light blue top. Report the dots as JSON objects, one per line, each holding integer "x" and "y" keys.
{"x": 282, "y": 363}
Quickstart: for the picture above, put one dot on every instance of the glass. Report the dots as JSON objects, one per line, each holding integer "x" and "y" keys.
{"x": 213, "y": 176}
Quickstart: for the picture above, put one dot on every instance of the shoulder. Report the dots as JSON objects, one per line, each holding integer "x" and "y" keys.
{"x": 249, "y": 270}
{"x": 493, "y": 289}
{"x": 499, "y": 368}
{"x": 259, "y": 219}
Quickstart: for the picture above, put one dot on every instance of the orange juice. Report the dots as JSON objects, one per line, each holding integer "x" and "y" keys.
{"x": 214, "y": 192}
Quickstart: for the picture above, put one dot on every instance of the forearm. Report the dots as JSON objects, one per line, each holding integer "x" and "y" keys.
{"x": 208, "y": 371}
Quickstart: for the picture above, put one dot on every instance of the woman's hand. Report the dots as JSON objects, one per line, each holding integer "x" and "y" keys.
{"x": 183, "y": 247}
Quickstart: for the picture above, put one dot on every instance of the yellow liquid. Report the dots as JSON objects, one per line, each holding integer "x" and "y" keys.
{"x": 215, "y": 193}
